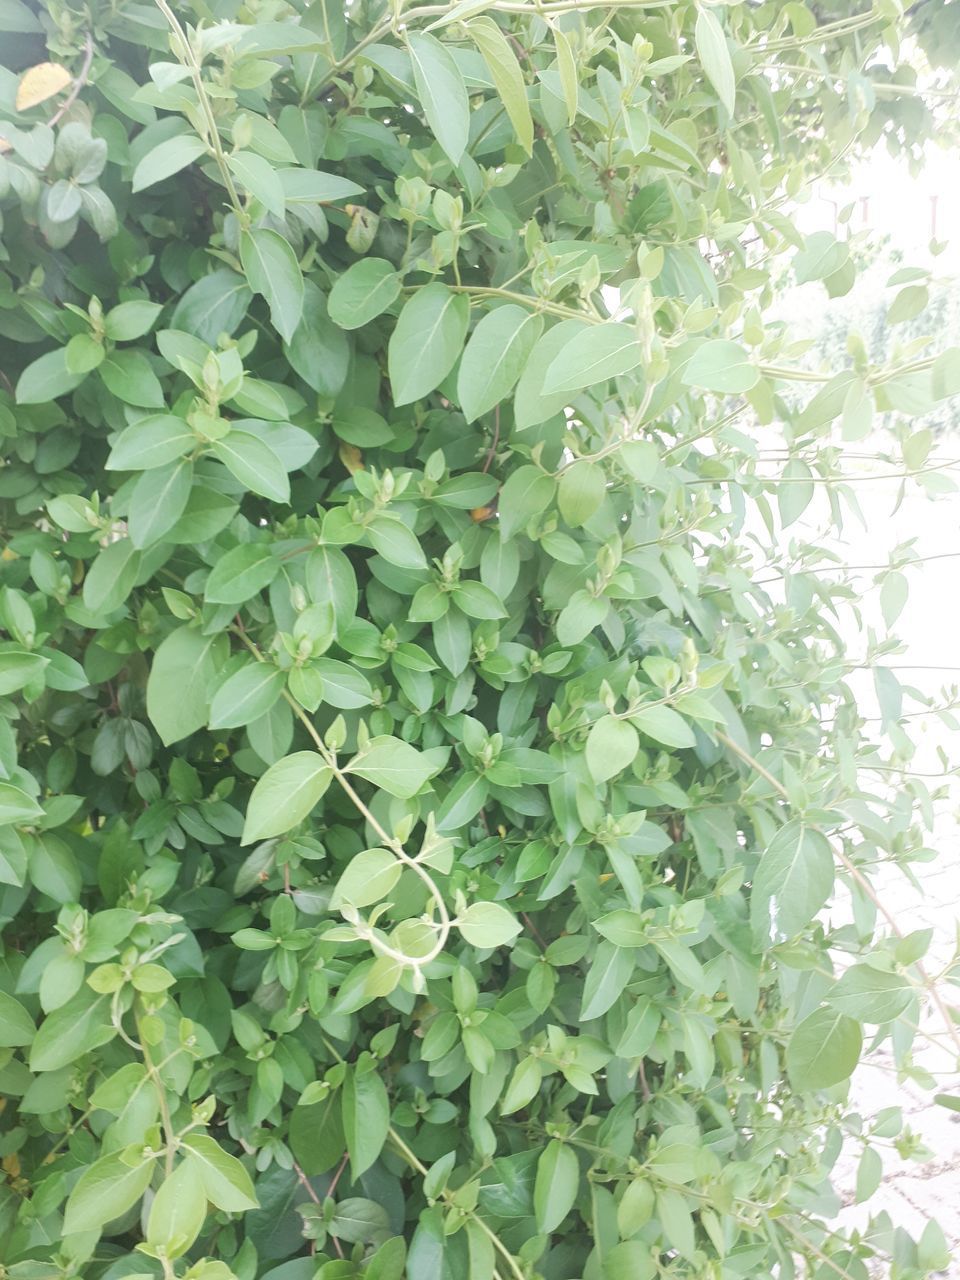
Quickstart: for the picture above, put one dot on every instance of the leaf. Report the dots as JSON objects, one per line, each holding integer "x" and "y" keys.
{"x": 612, "y": 745}
{"x": 426, "y": 342}
{"x": 363, "y": 292}
{"x": 357, "y": 1220}
{"x": 16, "y": 1025}
{"x": 215, "y": 304}
{"x": 286, "y": 794}
{"x": 794, "y": 492}
{"x": 41, "y": 82}
{"x": 255, "y": 464}
{"x": 527, "y": 492}
{"x": 272, "y": 270}
{"x": 366, "y": 1118}
{"x": 442, "y": 93}
{"x": 259, "y": 177}
{"x": 580, "y": 492}
{"x": 494, "y": 358}
{"x": 793, "y": 880}
{"x": 506, "y": 74}
{"x": 664, "y": 725}
{"x": 225, "y": 1181}
{"x": 158, "y": 501}
{"x": 394, "y": 766}
{"x": 569, "y": 76}
{"x": 714, "y": 55}
{"x": 556, "y": 1186}
{"x": 368, "y": 877}
{"x": 182, "y": 672}
{"x": 78, "y": 1026}
{"x": 593, "y": 356}
{"x": 623, "y": 928}
{"x": 871, "y": 995}
{"x": 111, "y": 577}
{"x": 487, "y": 925}
{"x": 19, "y": 668}
{"x": 823, "y": 1050}
{"x": 151, "y": 442}
{"x": 246, "y": 695}
{"x": 105, "y": 1191}
{"x": 719, "y": 365}
{"x": 178, "y": 1211}
{"x": 241, "y": 574}
{"x": 47, "y": 378}
{"x": 167, "y": 159}
{"x": 894, "y": 592}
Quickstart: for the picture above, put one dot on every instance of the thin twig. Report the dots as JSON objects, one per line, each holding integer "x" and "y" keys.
{"x": 79, "y": 82}
{"x": 860, "y": 879}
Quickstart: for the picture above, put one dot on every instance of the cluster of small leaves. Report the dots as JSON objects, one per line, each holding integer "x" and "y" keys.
{"x": 419, "y": 828}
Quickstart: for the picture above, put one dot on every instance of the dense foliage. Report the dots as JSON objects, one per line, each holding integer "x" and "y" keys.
{"x": 421, "y": 830}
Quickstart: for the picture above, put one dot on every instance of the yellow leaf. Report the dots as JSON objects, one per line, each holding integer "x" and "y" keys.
{"x": 352, "y": 458}
{"x": 40, "y": 83}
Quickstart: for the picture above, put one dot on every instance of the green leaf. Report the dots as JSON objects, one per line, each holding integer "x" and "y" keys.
{"x": 286, "y": 794}
{"x": 255, "y": 464}
{"x": 130, "y": 320}
{"x": 82, "y": 1024}
{"x": 612, "y": 746}
{"x": 259, "y": 177}
{"x": 225, "y": 1181}
{"x": 556, "y": 1186}
{"x": 363, "y": 292}
{"x": 487, "y": 924}
{"x": 106, "y": 1191}
{"x": 823, "y": 1050}
{"x": 366, "y": 1118}
{"x": 158, "y": 501}
{"x": 357, "y": 1220}
{"x": 215, "y": 304}
{"x": 580, "y": 492}
{"x": 241, "y": 574}
{"x": 623, "y": 928}
{"x": 151, "y": 442}
{"x": 795, "y": 492}
{"x": 166, "y": 159}
{"x": 47, "y": 378}
{"x": 527, "y": 492}
{"x": 19, "y": 668}
{"x": 178, "y": 687}
{"x": 247, "y": 694}
{"x": 871, "y": 995}
{"x": 793, "y": 880}
{"x": 494, "y": 358}
{"x": 111, "y": 577}
{"x": 664, "y": 725}
{"x": 178, "y": 1211}
{"x": 426, "y": 342}
{"x": 394, "y": 766}
{"x": 593, "y": 356}
{"x": 714, "y": 55}
{"x": 442, "y": 93}
{"x": 272, "y": 270}
{"x": 16, "y": 1025}
{"x": 368, "y": 877}
{"x": 506, "y": 74}
{"x": 721, "y": 366}
{"x": 569, "y": 75}
{"x": 129, "y": 375}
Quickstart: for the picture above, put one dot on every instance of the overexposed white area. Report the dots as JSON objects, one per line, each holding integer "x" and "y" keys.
{"x": 904, "y": 212}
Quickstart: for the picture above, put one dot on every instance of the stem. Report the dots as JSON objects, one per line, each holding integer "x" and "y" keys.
{"x": 169, "y": 1134}
{"x": 213, "y": 138}
{"x": 390, "y": 842}
{"x": 416, "y": 1163}
{"x": 79, "y": 82}
{"x": 860, "y": 879}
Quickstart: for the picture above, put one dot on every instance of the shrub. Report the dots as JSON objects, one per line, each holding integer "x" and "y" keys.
{"x": 421, "y": 829}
